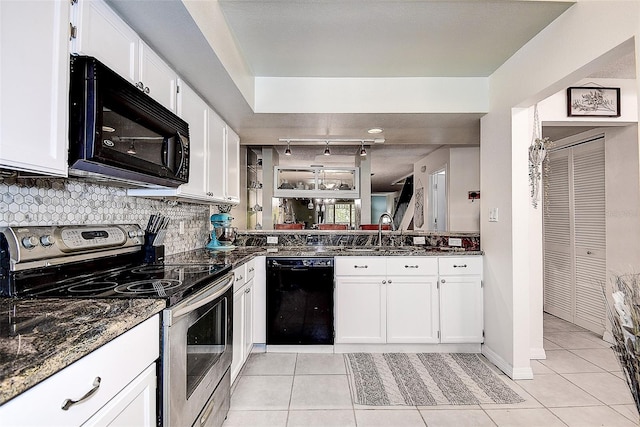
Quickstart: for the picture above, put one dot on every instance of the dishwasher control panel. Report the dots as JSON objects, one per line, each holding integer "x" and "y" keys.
{"x": 300, "y": 262}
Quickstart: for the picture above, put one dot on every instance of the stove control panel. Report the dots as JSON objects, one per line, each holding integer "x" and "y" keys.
{"x": 26, "y": 244}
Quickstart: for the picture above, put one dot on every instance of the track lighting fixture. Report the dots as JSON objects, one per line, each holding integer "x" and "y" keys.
{"x": 363, "y": 152}
{"x": 287, "y": 151}
{"x": 327, "y": 152}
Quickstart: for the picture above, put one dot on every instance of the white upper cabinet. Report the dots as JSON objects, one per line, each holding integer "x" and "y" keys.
{"x": 101, "y": 33}
{"x": 194, "y": 111}
{"x": 232, "y": 185}
{"x": 157, "y": 79}
{"x": 214, "y": 159}
{"x": 34, "y": 52}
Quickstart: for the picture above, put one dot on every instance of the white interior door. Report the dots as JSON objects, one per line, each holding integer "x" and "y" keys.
{"x": 437, "y": 202}
{"x": 574, "y": 235}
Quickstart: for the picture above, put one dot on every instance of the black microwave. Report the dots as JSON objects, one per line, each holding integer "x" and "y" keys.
{"x": 119, "y": 134}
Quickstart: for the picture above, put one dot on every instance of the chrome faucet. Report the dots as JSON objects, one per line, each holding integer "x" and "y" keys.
{"x": 393, "y": 228}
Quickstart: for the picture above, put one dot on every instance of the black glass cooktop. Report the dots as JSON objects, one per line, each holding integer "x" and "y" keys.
{"x": 112, "y": 279}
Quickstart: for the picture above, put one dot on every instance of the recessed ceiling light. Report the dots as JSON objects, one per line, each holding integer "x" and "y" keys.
{"x": 375, "y": 130}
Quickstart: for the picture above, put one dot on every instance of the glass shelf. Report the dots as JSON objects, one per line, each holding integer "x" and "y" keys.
{"x": 316, "y": 182}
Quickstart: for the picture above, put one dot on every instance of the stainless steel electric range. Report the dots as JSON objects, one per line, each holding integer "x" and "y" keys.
{"x": 106, "y": 262}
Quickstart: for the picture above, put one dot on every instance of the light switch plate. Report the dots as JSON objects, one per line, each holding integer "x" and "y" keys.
{"x": 419, "y": 240}
{"x": 272, "y": 240}
{"x": 493, "y": 215}
{"x": 455, "y": 241}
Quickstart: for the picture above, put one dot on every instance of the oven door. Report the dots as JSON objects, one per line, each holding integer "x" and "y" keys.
{"x": 197, "y": 350}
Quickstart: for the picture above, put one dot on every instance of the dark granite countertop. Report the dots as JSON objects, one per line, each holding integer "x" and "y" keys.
{"x": 242, "y": 254}
{"x": 40, "y": 337}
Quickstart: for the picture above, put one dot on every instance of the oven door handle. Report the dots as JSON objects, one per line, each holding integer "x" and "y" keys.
{"x": 189, "y": 307}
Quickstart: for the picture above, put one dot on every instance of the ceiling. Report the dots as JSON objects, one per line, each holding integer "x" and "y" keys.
{"x": 348, "y": 38}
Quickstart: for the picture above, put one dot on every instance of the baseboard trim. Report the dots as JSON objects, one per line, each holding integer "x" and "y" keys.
{"x": 538, "y": 354}
{"x": 506, "y": 367}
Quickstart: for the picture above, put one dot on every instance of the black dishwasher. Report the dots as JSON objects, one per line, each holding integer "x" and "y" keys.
{"x": 299, "y": 301}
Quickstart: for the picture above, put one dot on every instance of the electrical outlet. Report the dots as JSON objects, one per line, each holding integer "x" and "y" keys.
{"x": 272, "y": 240}
{"x": 181, "y": 227}
{"x": 455, "y": 241}
{"x": 419, "y": 240}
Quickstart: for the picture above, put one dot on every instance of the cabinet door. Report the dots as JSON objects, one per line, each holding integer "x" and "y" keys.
{"x": 194, "y": 111}
{"x": 238, "y": 332}
{"x": 103, "y": 34}
{"x": 232, "y": 184}
{"x": 248, "y": 320}
{"x": 34, "y": 53}
{"x": 135, "y": 405}
{"x": 216, "y": 158}
{"x": 412, "y": 309}
{"x": 461, "y": 311}
{"x": 157, "y": 78}
{"x": 260, "y": 301}
{"x": 360, "y": 306}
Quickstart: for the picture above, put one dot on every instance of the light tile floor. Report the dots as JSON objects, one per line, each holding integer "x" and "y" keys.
{"x": 579, "y": 384}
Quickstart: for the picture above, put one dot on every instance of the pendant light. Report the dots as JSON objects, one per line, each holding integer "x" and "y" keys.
{"x": 327, "y": 152}
{"x": 287, "y": 151}
{"x": 363, "y": 152}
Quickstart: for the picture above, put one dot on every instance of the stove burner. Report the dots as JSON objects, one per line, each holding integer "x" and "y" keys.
{"x": 152, "y": 286}
{"x": 160, "y": 268}
{"x": 92, "y": 287}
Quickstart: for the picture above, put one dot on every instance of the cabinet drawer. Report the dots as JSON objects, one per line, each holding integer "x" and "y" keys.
{"x": 360, "y": 266}
{"x": 251, "y": 270}
{"x": 117, "y": 363}
{"x": 240, "y": 277}
{"x": 412, "y": 266}
{"x": 458, "y": 266}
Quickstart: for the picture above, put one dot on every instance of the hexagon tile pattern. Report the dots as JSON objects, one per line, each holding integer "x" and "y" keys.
{"x": 51, "y": 201}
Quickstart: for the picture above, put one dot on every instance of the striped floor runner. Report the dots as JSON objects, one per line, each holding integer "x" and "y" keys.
{"x": 425, "y": 379}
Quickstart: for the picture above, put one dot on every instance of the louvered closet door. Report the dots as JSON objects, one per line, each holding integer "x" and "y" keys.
{"x": 559, "y": 295}
{"x": 574, "y": 235}
{"x": 589, "y": 202}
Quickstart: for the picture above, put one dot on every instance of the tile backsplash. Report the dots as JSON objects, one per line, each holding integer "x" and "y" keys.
{"x": 54, "y": 201}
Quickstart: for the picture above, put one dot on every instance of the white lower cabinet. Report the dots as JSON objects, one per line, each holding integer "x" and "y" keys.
{"x": 360, "y": 309}
{"x": 412, "y": 310}
{"x": 461, "y": 300}
{"x": 408, "y": 300}
{"x": 121, "y": 374}
{"x": 242, "y": 317}
{"x": 386, "y": 300}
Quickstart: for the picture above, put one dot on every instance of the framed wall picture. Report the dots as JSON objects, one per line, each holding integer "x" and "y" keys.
{"x": 593, "y": 101}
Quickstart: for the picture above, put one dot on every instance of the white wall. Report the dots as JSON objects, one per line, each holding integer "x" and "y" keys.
{"x": 462, "y": 165}
{"x": 622, "y": 188}
{"x": 435, "y": 161}
{"x": 464, "y": 176}
{"x": 557, "y": 57}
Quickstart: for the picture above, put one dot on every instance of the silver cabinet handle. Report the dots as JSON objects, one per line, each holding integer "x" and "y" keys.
{"x": 207, "y": 413}
{"x": 68, "y": 403}
{"x": 384, "y": 282}
{"x": 251, "y": 270}
{"x": 460, "y": 266}
{"x": 442, "y": 281}
{"x": 246, "y": 291}
{"x": 411, "y": 266}
{"x": 589, "y": 253}
{"x": 147, "y": 90}
{"x": 389, "y": 282}
{"x": 140, "y": 85}
{"x": 360, "y": 266}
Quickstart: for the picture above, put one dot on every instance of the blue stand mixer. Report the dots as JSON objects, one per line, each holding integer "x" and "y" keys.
{"x": 223, "y": 234}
